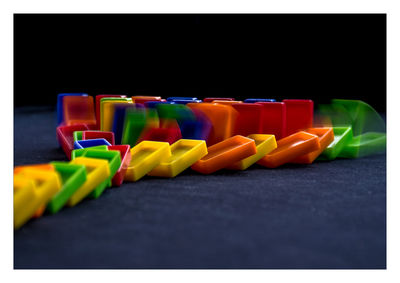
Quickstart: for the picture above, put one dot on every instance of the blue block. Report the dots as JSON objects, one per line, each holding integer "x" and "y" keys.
{"x": 180, "y": 98}
{"x": 254, "y": 100}
{"x": 89, "y": 143}
{"x": 119, "y": 118}
{"x": 185, "y": 101}
{"x": 60, "y": 104}
{"x": 153, "y": 104}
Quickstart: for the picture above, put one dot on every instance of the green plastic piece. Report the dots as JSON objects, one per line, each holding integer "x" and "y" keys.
{"x": 79, "y": 152}
{"x": 114, "y": 161}
{"x": 73, "y": 176}
{"x": 135, "y": 122}
{"x": 343, "y": 135}
{"x": 178, "y": 112}
{"x": 364, "y": 145}
{"x": 77, "y": 136}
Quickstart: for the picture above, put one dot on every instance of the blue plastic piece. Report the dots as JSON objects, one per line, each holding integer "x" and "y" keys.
{"x": 254, "y": 100}
{"x": 181, "y": 98}
{"x": 89, "y": 143}
{"x": 153, "y": 104}
{"x": 185, "y": 101}
{"x": 60, "y": 105}
{"x": 119, "y": 118}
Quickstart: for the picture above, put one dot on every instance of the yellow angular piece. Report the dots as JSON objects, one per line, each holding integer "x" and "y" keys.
{"x": 184, "y": 154}
{"x": 33, "y": 188}
{"x": 264, "y": 144}
{"x": 145, "y": 157}
{"x": 97, "y": 171}
{"x": 107, "y": 113}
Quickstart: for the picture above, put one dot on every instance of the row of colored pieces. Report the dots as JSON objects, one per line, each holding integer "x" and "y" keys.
{"x": 169, "y": 121}
{"x": 94, "y": 168}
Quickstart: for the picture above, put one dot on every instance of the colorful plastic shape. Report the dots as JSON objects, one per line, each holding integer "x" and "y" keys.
{"x": 90, "y": 135}
{"x": 79, "y": 152}
{"x": 90, "y": 143}
{"x": 343, "y": 135}
{"x": 227, "y": 102}
{"x": 79, "y": 110}
{"x": 126, "y": 157}
{"x": 225, "y": 153}
{"x": 119, "y": 119}
{"x": 264, "y": 145}
{"x": 248, "y": 119}
{"x": 299, "y": 115}
{"x": 325, "y": 136}
{"x": 77, "y": 135}
{"x": 28, "y": 199}
{"x": 72, "y": 178}
{"x": 290, "y": 148}
{"x": 169, "y": 135}
{"x": 273, "y": 119}
{"x": 60, "y": 105}
{"x": 149, "y": 98}
{"x": 135, "y": 122}
{"x": 107, "y": 108}
{"x": 98, "y": 99}
{"x": 255, "y": 100}
{"x": 211, "y": 99}
{"x": 363, "y": 145}
{"x": 153, "y": 104}
{"x": 42, "y": 166}
{"x": 184, "y": 101}
{"x": 183, "y": 154}
{"x": 172, "y": 98}
{"x": 97, "y": 176}
{"x": 145, "y": 157}
{"x": 197, "y": 129}
{"x": 114, "y": 162}
{"x": 222, "y": 118}
{"x": 65, "y": 137}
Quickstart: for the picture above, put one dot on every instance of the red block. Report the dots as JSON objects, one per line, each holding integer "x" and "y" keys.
{"x": 211, "y": 99}
{"x": 98, "y": 98}
{"x": 143, "y": 100}
{"x": 299, "y": 115}
{"x": 89, "y": 135}
{"x": 248, "y": 119}
{"x": 125, "y": 151}
{"x": 169, "y": 135}
{"x": 273, "y": 119}
{"x": 66, "y": 139}
{"x": 79, "y": 110}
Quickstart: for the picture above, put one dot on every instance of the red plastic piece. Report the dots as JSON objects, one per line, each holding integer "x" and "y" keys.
{"x": 169, "y": 135}
{"x": 65, "y": 137}
{"x": 211, "y": 99}
{"x": 89, "y": 135}
{"x": 143, "y": 100}
{"x": 79, "y": 110}
{"x": 125, "y": 151}
{"x": 98, "y": 98}
{"x": 248, "y": 119}
{"x": 299, "y": 115}
{"x": 273, "y": 119}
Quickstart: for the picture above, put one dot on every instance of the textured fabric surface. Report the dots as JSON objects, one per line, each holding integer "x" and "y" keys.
{"x": 323, "y": 215}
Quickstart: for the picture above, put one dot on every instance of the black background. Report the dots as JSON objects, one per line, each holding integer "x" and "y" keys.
{"x": 263, "y": 55}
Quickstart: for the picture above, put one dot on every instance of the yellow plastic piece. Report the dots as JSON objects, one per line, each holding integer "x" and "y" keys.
{"x": 264, "y": 144}
{"x": 33, "y": 188}
{"x": 107, "y": 113}
{"x": 145, "y": 157}
{"x": 184, "y": 154}
{"x": 97, "y": 171}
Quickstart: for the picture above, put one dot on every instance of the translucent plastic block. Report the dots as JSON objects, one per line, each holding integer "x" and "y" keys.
{"x": 273, "y": 119}
{"x": 225, "y": 153}
{"x": 107, "y": 108}
{"x": 108, "y": 136}
{"x": 98, "y": 99}
{"x": 299, "y": 115}
{"x": 248, "y": 121}
{"x": 211, "y": 99}
{"x": 60, "y": 105}
{"x": 343, "y": 135}
{"x": 79, "y": 110}
{"x": 183, "y": 154}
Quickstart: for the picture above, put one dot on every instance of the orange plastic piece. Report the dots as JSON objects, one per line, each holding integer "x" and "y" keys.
{"x": 79, "y": 110}
{"x": 290, "y": 148}
{"x": 222, "y": 118}
{"x": 225, "y": 153}
{"x": 45, "y": 166}
{"x": 325, "y": 136}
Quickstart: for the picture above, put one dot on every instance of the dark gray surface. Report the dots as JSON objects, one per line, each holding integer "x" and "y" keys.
{"x": 324, "y": 215}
